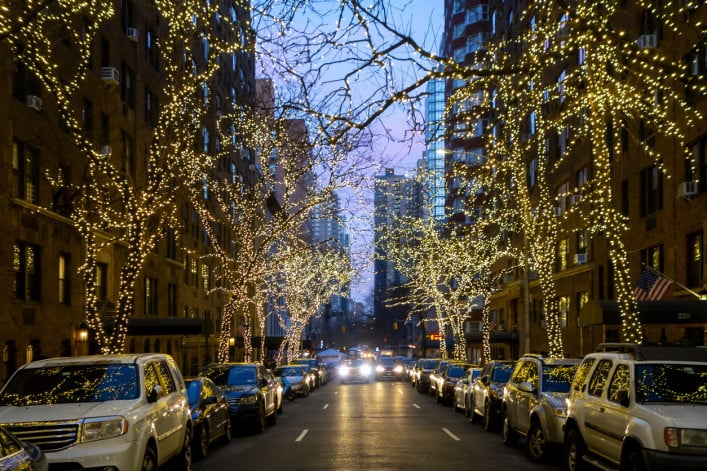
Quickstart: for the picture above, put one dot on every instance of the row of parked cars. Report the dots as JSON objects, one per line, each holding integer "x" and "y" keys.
{"x": 137, "y": 411}
{"x": 626, "y": 406}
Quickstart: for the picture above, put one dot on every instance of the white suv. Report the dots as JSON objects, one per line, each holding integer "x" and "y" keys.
{"x": 109, "y": 412}
{"x": 639, "y": 408}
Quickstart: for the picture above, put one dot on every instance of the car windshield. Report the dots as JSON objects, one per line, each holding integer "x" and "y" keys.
{"x": 231, "y": 376}
{"x": 386, "y": 361}
{"x": 671, "y": 383}
{"x": 558, "y": 378}
{"x": 455, "y": 371}
{"x": 70, "y": 384}
{"x": 502, "y": 373}
{"x": 430, "y": 364}
{"x": 289, "y": 371}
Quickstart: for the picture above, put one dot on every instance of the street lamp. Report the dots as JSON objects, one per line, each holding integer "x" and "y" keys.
{"x": 30, "y": 353}
{"x": 82, "y": 332}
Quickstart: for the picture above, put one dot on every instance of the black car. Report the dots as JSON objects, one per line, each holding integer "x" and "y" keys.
{"x": 487, "y": 393}
{"x": 448, "y": 380}
{"x": 424, "y": 369}
{"x": 209, "y": 414}
{"x": 250, "y": 390}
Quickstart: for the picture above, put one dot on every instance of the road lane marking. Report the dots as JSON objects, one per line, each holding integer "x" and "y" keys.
{"x": 415, "y": 405}
{"x": 325, "y": 406}
{"x": 301, "y": 435}
{"x": 454, "y": 437}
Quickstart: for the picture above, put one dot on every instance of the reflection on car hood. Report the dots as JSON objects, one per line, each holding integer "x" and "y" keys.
{"x": 557, "y": 399}
{"x": 238, "y": 391}
{"x": 63, "y": 412}
{"x": 681, "y": 415}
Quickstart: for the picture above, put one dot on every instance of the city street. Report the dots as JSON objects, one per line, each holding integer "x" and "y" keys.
{"x": 381, "y": 426}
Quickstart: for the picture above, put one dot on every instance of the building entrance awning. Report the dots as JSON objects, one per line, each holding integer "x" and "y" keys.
{"x": 672, "y": 311}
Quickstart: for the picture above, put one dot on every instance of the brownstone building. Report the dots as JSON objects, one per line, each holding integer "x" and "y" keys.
{"x": 176, "y": 311}
{"x": 664, "y": 202}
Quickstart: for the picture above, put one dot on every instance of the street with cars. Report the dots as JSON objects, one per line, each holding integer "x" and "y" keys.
{"x": 626, "y": 406}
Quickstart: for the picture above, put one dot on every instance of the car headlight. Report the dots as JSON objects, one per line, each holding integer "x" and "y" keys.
{"x": 246, "y": 400}
{"x": 379, "y": 369}
{"x": 676, "y": 437}
{"x": 344, "y": 370}
{"x": 102, "y": 428}
{"x": 398, "y": 369}
{"x": 366, "y": 370}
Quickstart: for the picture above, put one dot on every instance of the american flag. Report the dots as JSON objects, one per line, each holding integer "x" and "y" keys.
{"x": 242, "y": 330}
{"x": 651, "y": 286}
{"x": 491, "y": 325}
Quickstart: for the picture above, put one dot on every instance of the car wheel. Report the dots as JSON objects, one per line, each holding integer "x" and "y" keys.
{"x": 535, "y": 442}
{"x": 510, "y": 436}
{"x": 182, "y": 462}
{"x": 574, "y": 451}
{"x": 227, "y": 433}
{"x": 260, "y": 423}
{"x": 202, "y": 443}
{"x": 272, "y": 418}
{"x": 488, "y": 422}
{"x": 632, "y": 460}
{"x": 149, "y": 461}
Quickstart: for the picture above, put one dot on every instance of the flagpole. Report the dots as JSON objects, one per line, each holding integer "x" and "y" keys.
{"x": 697, "y": 295}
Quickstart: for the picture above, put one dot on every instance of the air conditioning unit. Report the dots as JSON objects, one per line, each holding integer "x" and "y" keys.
{"x": 580, "y": 258}
{"x": 574, "y": 199}
{"x": 109, "y": 75}
{"x": 34, "y": 102}
{"x": 131, "y": 33}
{"x": 106, "y": 150}
{"x": 557, "y": 211}
{"x": 687, "y": 189}
{"x": 648, "y": 41}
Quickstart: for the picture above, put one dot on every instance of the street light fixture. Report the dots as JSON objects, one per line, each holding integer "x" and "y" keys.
{"x": 82, "y": 332}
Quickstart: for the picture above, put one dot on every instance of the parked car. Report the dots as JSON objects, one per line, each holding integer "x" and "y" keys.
{"x": 317, "y": 371}
{"x": 105, "y": 411}
{"x": 16, "y": 455}
{"x": 389, "y": 368}
{"x": 434, "y": 376}
{"x": 535, "y": 403}
{"x": 209, "y": 414}
{"x": 358, "y": 370}
{"x": 487, "y": 393}
{"x": 639, "y": 407}
{"x": 250, "y": 390}
{"x": 309, "y": 376}
{"x": 463, "y": 389}
{"x": 453, "y": 373}
{"x": 279, "y": 390}
{"x": 423, "y": 371}
{"x": 294, "y": 382}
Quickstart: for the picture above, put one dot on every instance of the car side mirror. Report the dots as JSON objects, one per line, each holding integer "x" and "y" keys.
{"x": 154, "y": 394}
{"x": 485, "y": 380}
{"x": 526, "y": 386}
{"x": 623, "y": 397}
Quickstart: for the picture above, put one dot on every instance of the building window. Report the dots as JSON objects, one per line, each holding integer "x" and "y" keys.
{"x": 26, "y": 264}
{"x": 172, "y": 300}
{"x": 651, "y": 190}
{"x": 653, "y": 257}
{"x": 150, "y": 296}
{"x": 127, "y": 88}
{"x": 25, "y": 172}
{"x": 563, "y": 254}
{"x": 64, "y": 279}
{"x": 694, "y": 259}
{"x": 101, "y": 281}
{"x": 205, "y": 276}
{"x": 563, "y": 309}
{"x": 477, "y": 13}
{"x": 151, "y": 108}
{"x": 194, "y": 272}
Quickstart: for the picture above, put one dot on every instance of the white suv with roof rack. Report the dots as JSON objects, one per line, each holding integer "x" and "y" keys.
{"x": 103, "y": 412}
{"x": 639, "y": 407}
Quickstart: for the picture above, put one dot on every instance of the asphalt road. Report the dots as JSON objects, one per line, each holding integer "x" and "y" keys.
{"x": 377, "y": 426}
